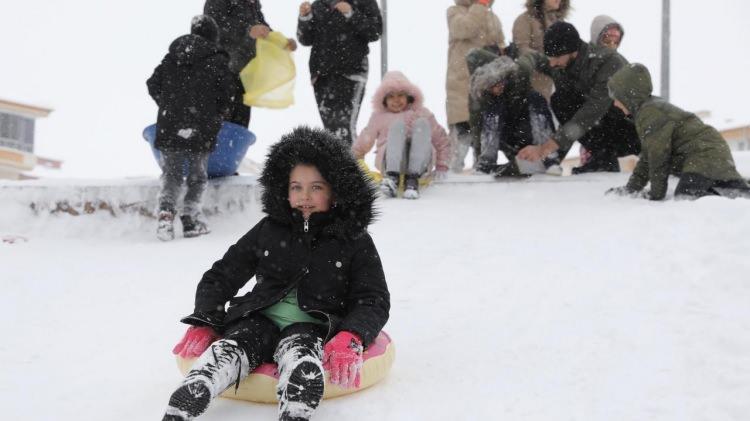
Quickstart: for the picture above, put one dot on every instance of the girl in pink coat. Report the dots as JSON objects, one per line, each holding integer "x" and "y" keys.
{"x": 407, "y": 137}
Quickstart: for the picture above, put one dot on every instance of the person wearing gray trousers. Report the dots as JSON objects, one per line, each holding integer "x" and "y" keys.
{"x": 409, "y": 155}
{"x": 173, "y": 163}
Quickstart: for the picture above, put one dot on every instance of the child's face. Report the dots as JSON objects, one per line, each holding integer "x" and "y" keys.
{"x": 550, "y": 5}
{"x": 497, "y": 89}
{"x": 309, "y": 192}
{"x": 611, "y": 38}
{"x": 396, "y": 102}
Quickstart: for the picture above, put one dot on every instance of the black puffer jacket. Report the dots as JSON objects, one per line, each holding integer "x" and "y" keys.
{"x": 334, "y": 265}
{"x": 339, "y": 44}
{"x": 193, "y": 88}
{"x": 235, "y": 18}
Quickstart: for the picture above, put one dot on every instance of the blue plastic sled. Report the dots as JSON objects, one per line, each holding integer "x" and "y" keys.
{"x": 231, "y": 147}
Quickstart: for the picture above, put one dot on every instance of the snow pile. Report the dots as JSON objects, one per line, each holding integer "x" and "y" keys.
{"x": 80, "y": 208}
{"x": 520, "y": 300}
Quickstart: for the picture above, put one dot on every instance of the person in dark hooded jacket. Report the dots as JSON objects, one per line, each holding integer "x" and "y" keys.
{"x": 674, "y": 142}
{"x": 339, "y": 32}
{"x": 192, "y": 87}
{"x": 241, "y": 23}
{"x": 507, "y": 114}
{"x": 320, "y": 295}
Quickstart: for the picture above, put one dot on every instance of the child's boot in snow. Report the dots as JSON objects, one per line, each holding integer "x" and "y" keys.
{"x": 301, "y": 378}
{"x": 193, "y": 226}
{"x": 389, "y": 185}
{"x": 411, "y": 191}
{"x": 221, "y": 365}
{"x": 165, "y": 229}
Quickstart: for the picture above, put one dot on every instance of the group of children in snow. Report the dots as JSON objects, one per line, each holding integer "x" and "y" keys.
{"x": 320, "y": 296}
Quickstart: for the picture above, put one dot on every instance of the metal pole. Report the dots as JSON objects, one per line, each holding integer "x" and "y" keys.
{"x": 384, "y": 39}
{"x": 665, "y": 34}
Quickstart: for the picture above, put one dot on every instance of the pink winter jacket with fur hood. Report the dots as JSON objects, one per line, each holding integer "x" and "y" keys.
{"x": 381, "y": 120}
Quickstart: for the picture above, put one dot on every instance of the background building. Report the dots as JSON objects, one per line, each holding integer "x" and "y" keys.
{"x": 17, "y": 122}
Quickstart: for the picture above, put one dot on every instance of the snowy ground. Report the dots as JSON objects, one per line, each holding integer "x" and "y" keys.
{"x": 533, "y": 300}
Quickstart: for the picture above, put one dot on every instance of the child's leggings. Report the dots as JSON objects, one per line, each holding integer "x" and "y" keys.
{"x": 297, "y": 350}
{"x": 414, "y": 148}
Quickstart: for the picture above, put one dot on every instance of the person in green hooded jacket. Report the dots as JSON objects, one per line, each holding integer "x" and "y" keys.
{"x": 674, "y": 142}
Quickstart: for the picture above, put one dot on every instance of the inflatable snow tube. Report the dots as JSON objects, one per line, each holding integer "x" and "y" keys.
{"x": 260, "y": 385}
{"x": 231, "y": 146}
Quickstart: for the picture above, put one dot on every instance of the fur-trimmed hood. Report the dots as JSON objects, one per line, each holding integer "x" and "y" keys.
{"x": 353, "y": 192}
{"x": 600, "y": 24}
{"x": 395, "y": 81}
{"x": 535, "y": 8}
{"x": 490, "y": 74}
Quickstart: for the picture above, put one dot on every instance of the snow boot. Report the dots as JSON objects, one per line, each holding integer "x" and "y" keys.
{"x": 301, "y": 378}
{"x": 389, "y": 185}
{"x": 411, "y": 191}
{"x": 193, "y": 226}
{"x": 303, "y": 392}
{"x": 509, "y": 170}
{"x": 598, "y": 163}
{"x": 552, "y": 166}
{"x": 224, "y": 363}
{"x": 484, "y": 167}
{"x": 165, "y": 229}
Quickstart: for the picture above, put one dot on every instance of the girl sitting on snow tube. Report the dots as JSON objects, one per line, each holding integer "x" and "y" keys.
{"x": 320, "y": 296}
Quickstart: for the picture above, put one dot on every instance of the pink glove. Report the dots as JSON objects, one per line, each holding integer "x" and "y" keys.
{"x": 342, "y": 358}
{"x": 196, "y": 340}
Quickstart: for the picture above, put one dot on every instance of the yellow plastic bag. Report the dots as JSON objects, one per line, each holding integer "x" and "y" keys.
{"x": 269, "y": 77}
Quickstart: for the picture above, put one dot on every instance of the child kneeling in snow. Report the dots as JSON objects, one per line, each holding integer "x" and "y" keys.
{"x": 507, "y": 115}
{"x": 320, "y": 296}
{"x": 193, "y": 89}
{"x": 674, "y": 142}
{"x": 409, "y": 139}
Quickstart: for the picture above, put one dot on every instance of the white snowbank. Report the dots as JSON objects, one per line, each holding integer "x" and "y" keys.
{"x": 519, "y": 301}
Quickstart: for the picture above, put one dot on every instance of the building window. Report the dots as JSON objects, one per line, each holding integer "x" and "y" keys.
{"x": 16, "y": 132}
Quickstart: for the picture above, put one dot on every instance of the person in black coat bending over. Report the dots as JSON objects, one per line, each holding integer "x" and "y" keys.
{"x": 240, "y": 22}
{"x": 339, "y": 31}
{"x": 320, "y": 296}
{"x": 192, "y": 87}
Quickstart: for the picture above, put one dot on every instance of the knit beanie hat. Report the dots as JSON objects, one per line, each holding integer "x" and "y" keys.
{"x": 561, "y": 38}
{"x": 206, "y": 27}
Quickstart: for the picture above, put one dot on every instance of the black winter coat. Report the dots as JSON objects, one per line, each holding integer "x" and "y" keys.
{"x": 235, "y": 18}
{"x": 193, "y": 88}
{"x": 332, "y": 263}
{"x": 339, "y": 44}
{"x": 507, "y": 114}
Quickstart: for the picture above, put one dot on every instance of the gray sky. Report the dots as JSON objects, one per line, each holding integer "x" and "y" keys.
{"x": 89, "y": 60}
